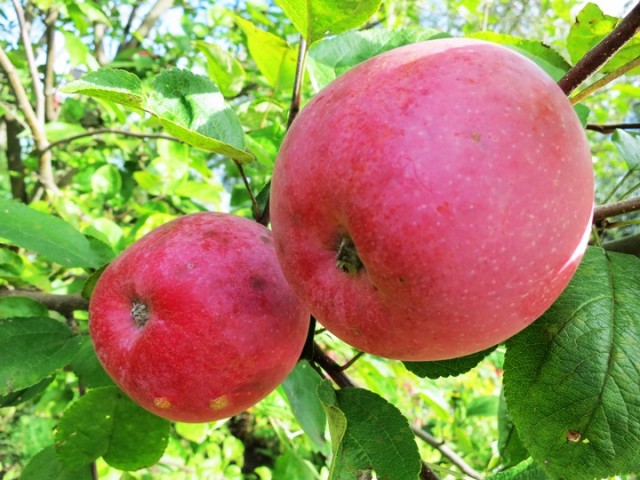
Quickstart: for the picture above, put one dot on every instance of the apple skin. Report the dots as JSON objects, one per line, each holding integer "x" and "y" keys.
{"x": 223, "y": 329}
{"x": 461, "y": 175}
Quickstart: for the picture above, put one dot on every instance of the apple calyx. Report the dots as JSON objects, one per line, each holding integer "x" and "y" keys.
{"x": 140, "y": 313}
{"x": 347, "y": 258}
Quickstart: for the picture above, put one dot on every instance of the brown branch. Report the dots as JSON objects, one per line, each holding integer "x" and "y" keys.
{"x": 14, "y": 159}
{"x": 99, "y": 30}
{"x": 296, "y": 97}
{"x": 294, "y": 109}
{"x": 102, "y": 131}
{"x": 127, "y": 27}
{"x": 602, "y": 212}
{"x": 255, "y": 208}
{"x": 602, "y": 52}
{"x": 31, "y": 62}
{"x": 147, "y": 24}
{"x": 607, "y": 79}
{"x": 452, "y": 456}
{"x": 51, "y": 112}
{"x": 35, "y": 125}
{"x": 65, "y": 304}
{"x": 336, "y": 373}
{"x": 612, "y": 127}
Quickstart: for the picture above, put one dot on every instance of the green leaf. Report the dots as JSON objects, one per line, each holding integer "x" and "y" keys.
{"x": 447, "y": 368}
{"x": 110, "y": 84}
{"x": 316, "y": 19}
{"x": 512, "y": 450}
{"x": 334, "y": 56}
{"x": 629, "y": 147}
{"x": 275, "y": 59}
{"x": 105, "y": 422}
{"x": 571, "y": 377}
{"x": 194, "y": 432}
{"x": 223, "y": 68}
{"x": 106, "y": 181}
{"x": 301, "y": 388}
{"x": 583, "y": 113}
{"x": 291, "y": 466}
{"x": 88, "y": 368}
{"x": 45, "y": 234}
{"x": 483, "y": 406}
{"x": 591, "y": 26}
{"x": 534, "y": 48}
{"x": 368, "y": 433}
{"x": 21, "y": 396}
{"x": 32, "y": 349}
{"x": 46, "y": 466}
{"x": 12, "y": 307}
{"x": 191, "y": 108}
{"x": 526, "y": 470}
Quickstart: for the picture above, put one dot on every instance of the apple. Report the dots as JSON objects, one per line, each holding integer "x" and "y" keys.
{"x": 195, "y": 321}
{"x": 434, "y": 200}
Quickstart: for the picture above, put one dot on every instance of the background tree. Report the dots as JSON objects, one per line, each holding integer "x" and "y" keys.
{"x": 88, "y": 167}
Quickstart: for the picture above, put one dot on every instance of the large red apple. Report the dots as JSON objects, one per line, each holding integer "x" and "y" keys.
{"x": 195, "y": 321}
{"x": 434, "y": 200}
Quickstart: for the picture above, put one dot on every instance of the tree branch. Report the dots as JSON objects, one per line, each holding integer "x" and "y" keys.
{"x": 337, "y": 374}
{"x": 294, "y": 109}
{"x": 31, "y": 62}
{"x": 14, "y": 159}
{"x": 594, "y": 87}
{"x": 51, "y": 112}
{"x": 602, "y": 52}
{"x": 102, "y": 131}
{"x": 65, "y": 304}
{"x": 35, "y": 125}
{"x": 147, "y": 24}
{"x": 602, "y": 212}
{"x": 612, "y": 127}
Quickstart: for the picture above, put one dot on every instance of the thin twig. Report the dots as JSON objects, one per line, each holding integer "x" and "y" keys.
{"x": 102, "y": 131}
{"x": 35, "y": 125}
{"x": 355, "y": 358}
{"x": 337, "y": 374}
{"x": 160, "y": 7}
{"x": 11, "y": 110}
{"x": 605, "y": 81}
{"x": 452, "y": 456}
{"x": 602, "y": 212}
{"x": 49, "y": 75}
{"x": 255, "y": 208}
{"x": 296, "y": 96}
{"x": 294, "y": 109}
{"x": 38, "y": 89}
{"x": 64, "y": 304}
{"x": 602, "y": 52}
{"x": 612, "y": 127}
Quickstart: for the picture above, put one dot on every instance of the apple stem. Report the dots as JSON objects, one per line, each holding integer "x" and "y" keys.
{"x": 347, "y": 258}
{"x": 140, "y": 313}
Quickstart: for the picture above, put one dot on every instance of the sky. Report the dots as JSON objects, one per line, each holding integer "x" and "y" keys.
{"x": 610, "y": 7}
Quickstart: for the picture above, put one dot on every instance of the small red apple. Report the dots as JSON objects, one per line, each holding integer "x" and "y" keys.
{"x": 195, "y": 321}
{"x": 434, "y": 200}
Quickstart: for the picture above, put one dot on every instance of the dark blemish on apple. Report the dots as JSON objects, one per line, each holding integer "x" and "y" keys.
{"x": 266, "y": 240}
{"x": 190, "y": 266}
{"x": 347, "y": 258}
{"x": 443, "y": 208}
{"x": 258, "y": 283}
{"x": 476, "y": 137}
{"x": 402, "y": 280}
{"x": 140, "y": 314}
